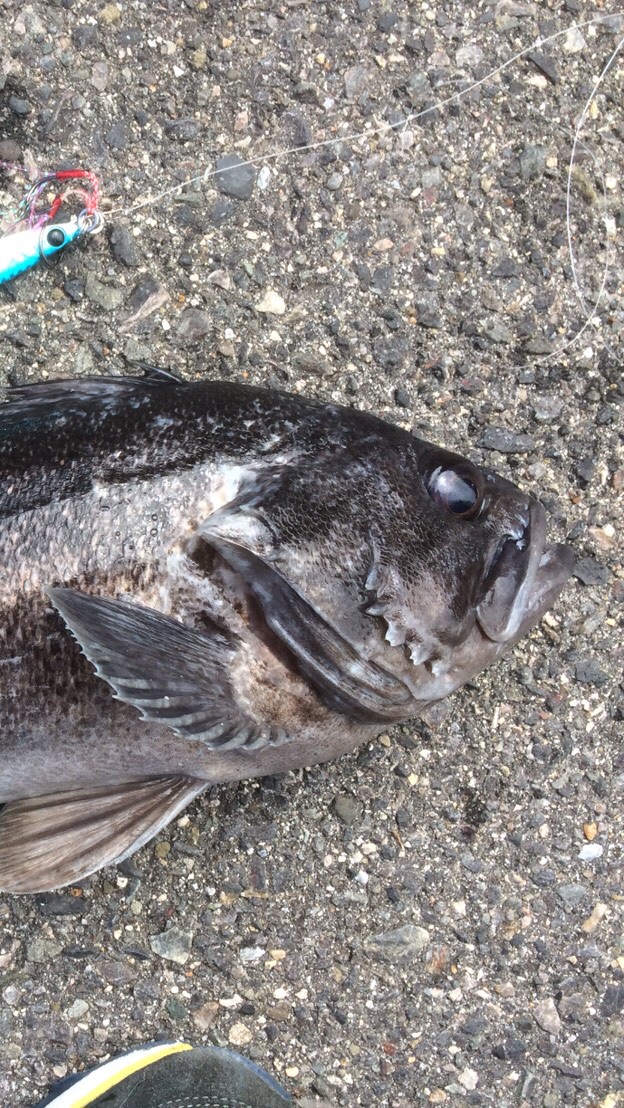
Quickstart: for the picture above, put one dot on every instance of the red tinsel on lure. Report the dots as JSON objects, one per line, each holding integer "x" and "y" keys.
{"x": 28, "y": 209}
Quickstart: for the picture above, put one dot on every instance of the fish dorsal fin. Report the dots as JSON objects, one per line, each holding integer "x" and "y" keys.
{"x": 172, "y": 674}
{"x": 54, "y": 840}
{"x": 156, "y": 375}
{"x": 26, "y": 400}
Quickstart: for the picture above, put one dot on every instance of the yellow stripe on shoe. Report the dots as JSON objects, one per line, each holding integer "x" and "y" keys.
{"x": 111, "y": 1074}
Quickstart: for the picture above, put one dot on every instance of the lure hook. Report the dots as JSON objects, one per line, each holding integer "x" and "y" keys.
{"x": 90, "y": 223}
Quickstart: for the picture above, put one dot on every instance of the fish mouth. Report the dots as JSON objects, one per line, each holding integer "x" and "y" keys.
{"x": 523, "y": 579}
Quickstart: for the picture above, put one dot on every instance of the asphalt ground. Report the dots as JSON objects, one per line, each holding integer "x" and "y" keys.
{"x": 436, "y": 919}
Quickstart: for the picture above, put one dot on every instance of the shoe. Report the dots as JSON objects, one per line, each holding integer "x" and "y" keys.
{"x": 171, "y": 1075}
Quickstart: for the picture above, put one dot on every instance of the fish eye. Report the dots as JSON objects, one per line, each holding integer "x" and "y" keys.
{"x": 455, "y": 491}
{"x": 56, "y": 237}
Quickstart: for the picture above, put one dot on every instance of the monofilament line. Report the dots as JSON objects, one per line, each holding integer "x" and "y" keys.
{"x": 590, "y": 315}
{"x": 356, "y": 136}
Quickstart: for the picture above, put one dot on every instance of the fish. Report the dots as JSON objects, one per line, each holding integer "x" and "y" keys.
{"x": 204, "y": 581}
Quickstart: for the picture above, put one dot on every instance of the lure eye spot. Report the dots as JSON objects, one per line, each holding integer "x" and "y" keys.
{"x": 55, "y": 237}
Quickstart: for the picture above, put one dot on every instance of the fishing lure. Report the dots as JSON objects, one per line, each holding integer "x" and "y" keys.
{"x": 23, "y": 249}
{"x": 42, "y": 236}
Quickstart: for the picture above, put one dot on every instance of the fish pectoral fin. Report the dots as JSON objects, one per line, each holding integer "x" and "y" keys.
{"x": 345, "y": 680}
{"x": 172, "y": 674}
{"x": 48, "y": 841}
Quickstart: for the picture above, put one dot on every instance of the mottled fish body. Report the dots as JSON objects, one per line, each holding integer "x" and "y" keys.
{"x": 204, "y": 582}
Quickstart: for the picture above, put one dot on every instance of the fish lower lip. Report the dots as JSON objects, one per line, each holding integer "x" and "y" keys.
{"x": 524, "y": 578}
{"x": 554, "y": 568}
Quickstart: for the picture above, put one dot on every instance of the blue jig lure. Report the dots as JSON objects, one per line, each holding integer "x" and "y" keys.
{"x": 42, "y": 236}
{"x": 24, "y": 249}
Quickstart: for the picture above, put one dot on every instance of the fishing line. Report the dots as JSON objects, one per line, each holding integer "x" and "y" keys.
{"x": 577, "y": 142}
{"x": 356, "y": 136}
{"x": 385, "y": 128}
{"x": 590, "y": 316}
{"x": 274, "y": 156}
{"x": 28, "y": 207}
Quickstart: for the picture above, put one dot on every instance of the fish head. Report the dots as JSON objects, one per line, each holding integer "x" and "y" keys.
{"x": 471, "y": 572}
{"x": 391, "y": 570}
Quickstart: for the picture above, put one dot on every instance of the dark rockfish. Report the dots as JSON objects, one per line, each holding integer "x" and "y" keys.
{"x": 203, "y": 582}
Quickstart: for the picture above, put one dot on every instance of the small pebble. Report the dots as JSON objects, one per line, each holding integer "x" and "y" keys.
{"x": 123, "y": 245}
{"x": 572, "y": 894}
{"x": 497, "y": 332}
{"x": 111, "y": 13}
{"x": 77, "y": 1010}
{"x": 591, "y": 572}
{"x": 545, "y": 64}
{"x": 10, "y": 151}
{"x": 387, "y": 20}
{"x": 546, "y": 1015}
{"x": 573, "y": 41}
{"x": 605, "y": 537}
{"x": 117, "y": 136}
{"x": 590, "y": 852}
{"x": 198, "y": 58}
{"x": 264, "y": 178}
{"x": 506, "y": 442}
{"x": 547, "y": 408}
{"x": 19, "y": 105}
{"x": 271, "y": 303}
{"x": 249, "y": 954}
{"x": 193, "y": 325}
{"x": 183, "y": 130}
{"x": 239, "y": 1034}
{"x": 348, "y": 810}
{"x": 107, "y": 297}
{"x": 589, "y": 672}
{"x": 43, "y": 950}
{"x": 356, "y": 80}
{"x": 100, "y": 75}
{"x": 309, "y": 362}
{"x": 404, "y": 942}
{"x": 613, "y": 1000}
{"x": 204, "y": 1017}
{"x": 469, "y": 56}
{"x": 469, "y": 1079}
{"x": 532, "y": 162}
{"x": 174, "y": 945}
{"x": 235, "y": 177}
{"x": 115, "y": 972}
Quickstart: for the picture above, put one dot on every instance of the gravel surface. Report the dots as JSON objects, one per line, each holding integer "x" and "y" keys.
{"x": 437, "y": 918}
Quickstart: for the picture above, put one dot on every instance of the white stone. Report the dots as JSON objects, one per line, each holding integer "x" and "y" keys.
{"x": 591, "y": 851}
{"x": 264, "y": 177}
{"x": 573, "y": 42}
{"x": 271, "y": 303}
{"x": 469, "y": 1079}
{"x": 251, "y": 953}
{"x": 239, "y": 1035}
